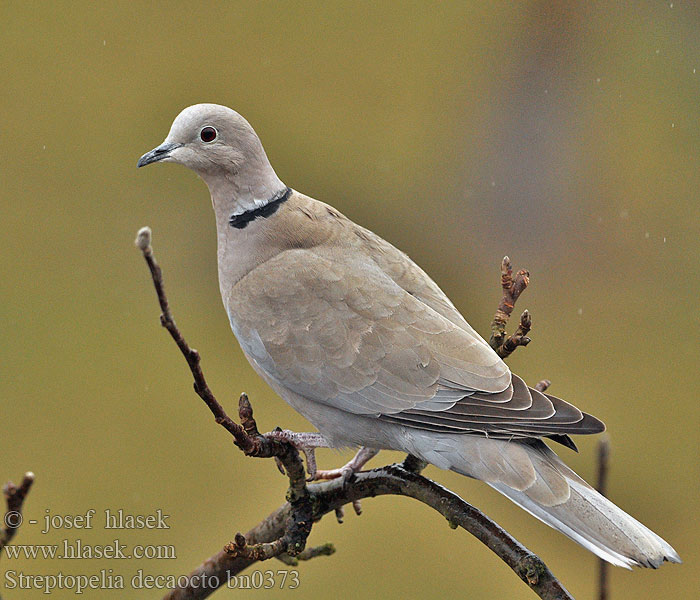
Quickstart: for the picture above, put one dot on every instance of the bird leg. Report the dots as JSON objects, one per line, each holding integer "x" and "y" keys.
{"x": 305, "y": 442}
{"x": 363, "y": 456}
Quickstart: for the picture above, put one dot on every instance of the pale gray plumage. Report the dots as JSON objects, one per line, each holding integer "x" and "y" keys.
{"x": 358, "y": 339}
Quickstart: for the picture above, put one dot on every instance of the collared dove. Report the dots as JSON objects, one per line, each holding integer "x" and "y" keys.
{"x": 358, "y": 339}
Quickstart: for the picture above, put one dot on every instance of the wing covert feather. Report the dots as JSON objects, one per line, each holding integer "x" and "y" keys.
{"x": 345, "y": 334}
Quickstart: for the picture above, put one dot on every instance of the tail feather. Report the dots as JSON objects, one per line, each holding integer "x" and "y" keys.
{"x": 534, "y": 477}
{"x": 599, "y": 526}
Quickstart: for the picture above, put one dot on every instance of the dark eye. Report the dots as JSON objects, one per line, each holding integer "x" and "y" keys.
{"x": 208, "y": 134}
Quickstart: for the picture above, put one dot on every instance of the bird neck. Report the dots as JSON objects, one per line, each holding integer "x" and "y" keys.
{"x": 246, "y": 190}
{"x": 239, "y": 249}
{"x": 241, "y": 220}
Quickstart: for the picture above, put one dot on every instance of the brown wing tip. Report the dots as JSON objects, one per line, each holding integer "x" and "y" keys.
{"x": 589, "y": 425}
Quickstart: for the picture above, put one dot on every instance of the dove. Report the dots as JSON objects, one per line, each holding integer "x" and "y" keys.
{"x": 357, "y": 338}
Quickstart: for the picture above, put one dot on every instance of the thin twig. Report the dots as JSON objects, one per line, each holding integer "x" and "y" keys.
{"x": 309, "y": 553}
{"x": 143, "y": 241}
{"x": 601, "y": 486}
{"x": 543, "y": 385}
{"x": 512, "y": 288}
{"x": 14, "y": 497}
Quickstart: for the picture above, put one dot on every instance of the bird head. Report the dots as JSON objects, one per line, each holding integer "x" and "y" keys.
{"x": 223, "y": 149}
{"x": 207, "y": 138}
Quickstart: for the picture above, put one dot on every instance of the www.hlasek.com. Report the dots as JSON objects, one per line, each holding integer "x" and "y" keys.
{"x": 106, "y": 579}
{"x": 76, "y": 549}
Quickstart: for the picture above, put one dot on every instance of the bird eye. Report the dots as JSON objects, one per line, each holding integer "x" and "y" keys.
{"x": 208, "y": 134}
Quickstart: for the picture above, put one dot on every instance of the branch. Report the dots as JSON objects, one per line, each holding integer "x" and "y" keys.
{"x": 242, "y": 439}
{"x": 395, "y": 479}
{"x": 283, "y": 534}
{"x": 298, "y": 525}
{"x": 14, "y": 497}
{"x": 307, "y": 554}
{"x": 512, "y": 288}
{"x": 543, "y": 385}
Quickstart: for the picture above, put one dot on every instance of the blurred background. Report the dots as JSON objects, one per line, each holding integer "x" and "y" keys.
{"x": 562, "y": 134}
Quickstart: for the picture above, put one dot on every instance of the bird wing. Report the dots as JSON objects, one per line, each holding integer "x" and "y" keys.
{"x": 335, "y": 328}
{"x": 408, "y": 275}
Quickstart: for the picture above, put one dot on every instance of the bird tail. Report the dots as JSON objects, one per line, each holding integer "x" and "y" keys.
{"x": 534, "y": 477}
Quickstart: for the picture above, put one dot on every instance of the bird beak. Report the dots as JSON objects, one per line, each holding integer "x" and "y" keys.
{"x": 160, "y": 153}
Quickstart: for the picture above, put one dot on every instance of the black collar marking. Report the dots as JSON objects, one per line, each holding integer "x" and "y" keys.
{"x": 240, "y": 221}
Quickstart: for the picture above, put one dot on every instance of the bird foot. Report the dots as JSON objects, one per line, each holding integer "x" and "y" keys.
{"x": 305, "y": 442}
{"x": 340, "y": 511}
{"x": 363, "y": 456}
{"x": 345, "y": 473}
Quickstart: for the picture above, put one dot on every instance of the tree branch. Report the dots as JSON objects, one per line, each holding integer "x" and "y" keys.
{"x": 284, "y": 533}
{"x": 14, "y": 497}
{"x": 388, "y": 480}
{"x": 543, "y": 385}
{"x": 242, "y": 439}
{"x": 512, "y": 288}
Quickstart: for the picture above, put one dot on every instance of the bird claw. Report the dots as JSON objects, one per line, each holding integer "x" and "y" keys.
{"x": 304, "y": 442}
{"x": 357, "y": 507}
{"x": 307, "y": 444}
{"x": 340, "y": 511}
{"x": 344, "y": 473}
{"x": 348, "y": 470}
{"x": 280, "y": 466}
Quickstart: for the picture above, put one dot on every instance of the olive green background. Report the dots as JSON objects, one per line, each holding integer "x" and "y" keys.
{"x": 563, "y": 134}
